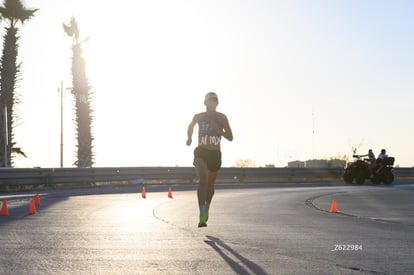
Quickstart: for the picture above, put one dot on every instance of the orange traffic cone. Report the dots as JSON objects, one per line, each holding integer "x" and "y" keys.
{"x": 170, "y": 193}
{"x": 333, "y": 206}
{"x": 32, "y": 207}
{"x": 4, "y": 209}
{"x": 37, "y": 199}
{"x": 143, "y": 193}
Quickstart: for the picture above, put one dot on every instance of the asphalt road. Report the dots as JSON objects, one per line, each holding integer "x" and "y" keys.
{"x": 251, "y": 230}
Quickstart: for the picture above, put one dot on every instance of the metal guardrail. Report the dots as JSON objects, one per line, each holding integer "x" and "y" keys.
{"x": 52, "y": 176}
{"x": 80, "y": 176}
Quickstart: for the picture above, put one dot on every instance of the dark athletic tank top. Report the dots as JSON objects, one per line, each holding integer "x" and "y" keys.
{"x": 208, "y": 130}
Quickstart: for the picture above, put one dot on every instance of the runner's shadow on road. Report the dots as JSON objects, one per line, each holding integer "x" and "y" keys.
{"x": 244, "y": 267}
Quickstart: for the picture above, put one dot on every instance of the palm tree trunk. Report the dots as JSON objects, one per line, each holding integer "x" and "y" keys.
{"x": 8, "y": 72}
{"x": 82, "y": 108}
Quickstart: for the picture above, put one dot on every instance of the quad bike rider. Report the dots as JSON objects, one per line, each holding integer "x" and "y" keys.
{"x": 379, "y": 170}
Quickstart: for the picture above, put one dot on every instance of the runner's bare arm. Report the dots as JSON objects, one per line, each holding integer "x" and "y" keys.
{"x": 190, "y": 131}
{"x": 227, "y": 133}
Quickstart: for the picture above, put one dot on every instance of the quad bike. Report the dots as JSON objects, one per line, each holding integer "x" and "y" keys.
{"x": 360, "y": 170}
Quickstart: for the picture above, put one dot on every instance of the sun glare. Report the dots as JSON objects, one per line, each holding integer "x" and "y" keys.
{"x": 151, "y": 62}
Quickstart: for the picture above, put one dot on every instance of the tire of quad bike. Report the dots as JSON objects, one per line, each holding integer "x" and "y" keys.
{"x": 348, "y": 178}
{"x": 388, "y": 178}
{"x": 376, "y": 179}
{"x": 360, "y": 177}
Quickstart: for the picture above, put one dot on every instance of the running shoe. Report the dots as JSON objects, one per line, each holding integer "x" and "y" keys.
{"x": 203, "y": 220}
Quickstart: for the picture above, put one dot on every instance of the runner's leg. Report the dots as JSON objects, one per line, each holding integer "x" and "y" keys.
{"x": 210, "y": 186}
{"x": 202, "y": 172}
{"x": 210, "y": 191}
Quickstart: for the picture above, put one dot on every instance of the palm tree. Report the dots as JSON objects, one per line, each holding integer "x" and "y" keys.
{"x": 14, "y": 12}
{"x": 81, "y": 90}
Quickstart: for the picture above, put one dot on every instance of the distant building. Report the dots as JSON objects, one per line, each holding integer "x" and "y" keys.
{"x": 296, "y": 164}
{"x": 316, "y": 163}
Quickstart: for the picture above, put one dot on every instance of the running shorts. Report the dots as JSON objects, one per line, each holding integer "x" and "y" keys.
{"x": 211, "y": 157}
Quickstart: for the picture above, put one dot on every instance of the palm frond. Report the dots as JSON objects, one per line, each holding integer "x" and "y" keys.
{"x": 19, "y": 151}
{"x": 72, "y": 29}
{"x": 15, "y": 11}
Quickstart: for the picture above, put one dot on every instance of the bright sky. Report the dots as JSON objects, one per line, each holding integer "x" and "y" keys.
{"x": 282, "y": 69}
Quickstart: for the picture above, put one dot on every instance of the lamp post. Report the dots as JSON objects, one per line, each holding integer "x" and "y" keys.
{"x": 61, "y": 124}
{"x": 60, "y": 90}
